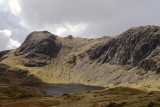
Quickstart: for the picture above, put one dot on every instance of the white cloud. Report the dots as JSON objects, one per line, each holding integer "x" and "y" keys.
{"x": 6, "y": 41}
{"x": 15, "y": 7}
{"x": 60, "y": 30}
{"x": 6, "y": 33}
{"x": 12, "y": 6}
{"x": 76, "y": 29}
{"x": 4, "y": 5}
{"x": 67, "y": 29}
{"x": 1, "y": 1}
{"x": 12, "y": 44}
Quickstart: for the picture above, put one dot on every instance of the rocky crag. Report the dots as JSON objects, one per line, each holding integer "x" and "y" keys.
{"x": 135, "y": 47}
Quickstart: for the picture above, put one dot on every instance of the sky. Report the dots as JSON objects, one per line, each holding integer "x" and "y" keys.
{"x": 80, "y": 18}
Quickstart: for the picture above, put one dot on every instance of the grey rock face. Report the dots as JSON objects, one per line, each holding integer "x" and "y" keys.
{"x": 2, "y": 53}
{"x": 40, "y": 45}
{"x": 130, "y": 48}
{"x": 69, "y": 37}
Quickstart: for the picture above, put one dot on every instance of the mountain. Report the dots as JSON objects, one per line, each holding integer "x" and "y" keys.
{"x": 131, "y": 58}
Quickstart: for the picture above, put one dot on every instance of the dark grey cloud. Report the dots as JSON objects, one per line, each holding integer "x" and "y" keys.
{"x": 102, "y": 17}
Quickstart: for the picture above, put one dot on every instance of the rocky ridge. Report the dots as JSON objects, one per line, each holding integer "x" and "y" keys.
{"x": 137, "y": 46}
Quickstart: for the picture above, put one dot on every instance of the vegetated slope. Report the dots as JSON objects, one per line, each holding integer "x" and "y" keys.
{"x": 115, "y": 97}
{"x": 129, "y": 58}
{"x": 12, "y": 81}
{"x": 15, "y": 76}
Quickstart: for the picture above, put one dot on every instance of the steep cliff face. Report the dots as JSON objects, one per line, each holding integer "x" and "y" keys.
{"x": 38, "y": 48}
{"x": 152, "y": 61}
{"x": 42, "y": 42}
{"x": 137, "y": 46}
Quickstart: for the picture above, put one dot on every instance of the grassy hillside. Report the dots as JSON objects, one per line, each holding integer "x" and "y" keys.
{"x": 115, "y": 97}
{"x": 15, "y": 76}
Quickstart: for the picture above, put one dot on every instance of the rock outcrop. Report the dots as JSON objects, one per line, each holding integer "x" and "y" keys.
{"x": 69, "y": 37}
{"x": 2, "y": 54}
{"x": 39, "y": 47}
{"x": 136, "y": 47}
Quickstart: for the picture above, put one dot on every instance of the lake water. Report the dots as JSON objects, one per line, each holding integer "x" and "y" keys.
{"x": 60, "y": 89}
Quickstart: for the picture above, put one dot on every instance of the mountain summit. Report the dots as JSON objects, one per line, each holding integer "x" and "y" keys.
{"x": 39, "y": 45}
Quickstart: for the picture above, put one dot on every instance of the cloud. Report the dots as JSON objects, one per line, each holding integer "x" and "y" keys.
{"x": 83, "y": 18}
{"x": 1, "y": 1}
{"x": 67, "y": 29}
{"x": 12, "y": 44}
{"x": 100, "y": 17}
{"x": 6, "y": 41}
{"x": 10, "y": 19}
{"x": 14, "y": 7}
{"x": 7, "y": 32}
